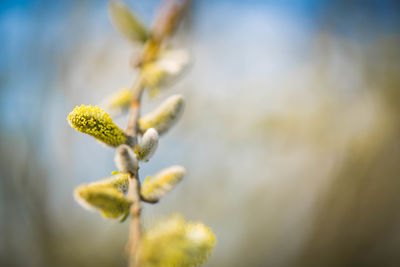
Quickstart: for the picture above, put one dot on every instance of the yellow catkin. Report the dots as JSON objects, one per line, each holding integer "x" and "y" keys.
{"x": 119, "y": 181}
{"x": 176, "y": 242}
{"x": 120, "y": 99}
{"x": 153, "y": 189}
{"x": 152, "y": 74}
{"x": 94, "y": 121}
{"x": 103, "y": 197}
{"x": 163, "y": 117}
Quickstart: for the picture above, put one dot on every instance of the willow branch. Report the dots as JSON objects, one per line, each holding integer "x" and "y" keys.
{"x": 164, "y": 26}
{"x": 134, "y": 183}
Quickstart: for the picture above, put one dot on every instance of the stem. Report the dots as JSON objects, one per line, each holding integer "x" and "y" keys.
{"x": 163, "y": 28}
{"x": 135, "y": 225}
{"x": 134, "y": 183}
{"x": 134, "y": 110}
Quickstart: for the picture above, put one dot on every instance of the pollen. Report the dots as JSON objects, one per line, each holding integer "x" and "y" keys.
{"x": 94, "y": 121}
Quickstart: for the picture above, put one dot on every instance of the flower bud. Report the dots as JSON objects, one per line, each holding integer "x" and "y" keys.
{"x": 95, "y": 122}
{"x": 153, "y": 189}
{"x": 105, "y": 198}
{"x": 148, "y": 145}
{"x": 125, "y": 159}
{"x": 163, "y": 117}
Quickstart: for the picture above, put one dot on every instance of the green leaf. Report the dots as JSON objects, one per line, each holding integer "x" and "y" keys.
{"x": 127, "y": 23}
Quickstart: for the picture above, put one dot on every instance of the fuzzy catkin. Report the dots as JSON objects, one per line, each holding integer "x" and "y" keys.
{"x": 153, "y": 189}
{"x": 163, "y": 117}
{"x": 126, "y": 159}
{"x": 94, "y": 121}
{"x": 176, "y": 242}
{"x": 105, "y": 198}
{"x": 148, "y": 145}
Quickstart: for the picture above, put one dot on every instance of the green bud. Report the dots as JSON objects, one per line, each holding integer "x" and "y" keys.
{"x": 163, "y": 117}
{"x": 153, "y": 189}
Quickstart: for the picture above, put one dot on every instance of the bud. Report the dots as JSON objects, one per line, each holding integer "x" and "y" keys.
{"x": 148, "y": 145}
{"x": 125, "y": 159}
{"x": 105, "y": 198}
{"x": 95, "y": 122}
{"x": 176, "y": 242}
{"x": 163, "y": 117}
{"x": 127, "y": 23}
{"x": 153, "y": 189}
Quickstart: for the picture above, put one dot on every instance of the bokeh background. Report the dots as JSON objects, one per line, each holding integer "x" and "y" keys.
{"x": 291, "y": 133}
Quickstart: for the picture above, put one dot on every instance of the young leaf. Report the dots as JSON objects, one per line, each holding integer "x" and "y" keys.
{"x": 127, "y": 22}
{"x": 95, "y": 122}
{"x": 153, "y": 189}
{"x": 148, "y": 145}
{"x": 163, "y": 117}
{"x": 176, "y": 242}
{"x": 105, "y": 198}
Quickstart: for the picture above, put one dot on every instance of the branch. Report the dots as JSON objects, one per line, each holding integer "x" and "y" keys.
{"x": 134, "y": 111}
{"x": 164, "y": 26}
{"x": 134, "y": 183}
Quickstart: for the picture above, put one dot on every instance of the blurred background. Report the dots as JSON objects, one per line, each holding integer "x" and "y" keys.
{"x": 290, "y": 137}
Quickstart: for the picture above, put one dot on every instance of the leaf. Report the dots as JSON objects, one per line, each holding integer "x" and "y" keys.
{"x": 127, "y": 23}
{"x": 153, "y": 189}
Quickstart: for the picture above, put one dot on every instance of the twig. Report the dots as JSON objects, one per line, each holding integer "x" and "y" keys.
{"x": 163, "y": 27}
{"x": 134, "y": 183}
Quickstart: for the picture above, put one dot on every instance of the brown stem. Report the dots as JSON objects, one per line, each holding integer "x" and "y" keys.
{"x": 134, "y": 110}
{"x": 134, "y": 183}
{"x": 135, "y": 224}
